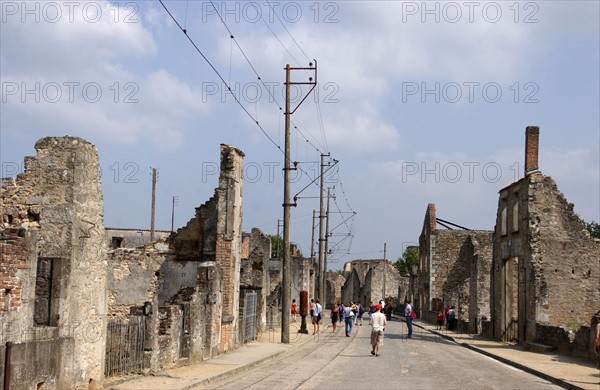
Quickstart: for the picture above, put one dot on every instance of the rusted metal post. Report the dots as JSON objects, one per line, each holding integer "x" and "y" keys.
{"x": 7, "y": 353}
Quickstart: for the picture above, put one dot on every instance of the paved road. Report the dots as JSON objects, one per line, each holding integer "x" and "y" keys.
{"x": 426, "y": 361}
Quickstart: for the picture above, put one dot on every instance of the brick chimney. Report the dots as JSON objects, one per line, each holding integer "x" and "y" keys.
{"x": 430, "y": 216}
{"x": 532, "y": 136}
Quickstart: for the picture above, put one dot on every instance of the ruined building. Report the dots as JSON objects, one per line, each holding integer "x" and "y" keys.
{"x": 333, "y": 288}
{"x": 371, "y": 281}
{"x": 454, "y": 270}
{"x": 74, "y": 311}
{"x": 180, "y": 296}
{"x": 53, "y": 269}
{"x": 546, "y": 266}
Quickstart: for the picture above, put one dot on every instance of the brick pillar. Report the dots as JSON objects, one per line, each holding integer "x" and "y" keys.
{"x": 532, "y": 136}
{"x": 431, "y": 216}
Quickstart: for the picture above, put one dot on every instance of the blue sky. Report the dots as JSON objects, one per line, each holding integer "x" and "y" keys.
{"x": 420, "y": 102}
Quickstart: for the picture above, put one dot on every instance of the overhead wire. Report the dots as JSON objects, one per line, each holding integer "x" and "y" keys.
{"x": 219, "y": 75}
{"x": 236, "y": 98}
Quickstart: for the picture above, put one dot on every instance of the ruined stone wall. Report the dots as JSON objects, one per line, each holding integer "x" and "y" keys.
{"x": 254, "y": 271}
{"x": 481, "y": 270}
{"x": 59, "y": 196}
{"x": 423, "y": 293}
{"x": 334, "y": 284}
{"x": 132, "y": 238}
{"x": 565, "y": 258}
{"x": 452, "y": 271}
{"x": 545, "y": 263}
{"x": 365, "y": 281}
{"x": 133, "y": 277}
{"x": 229, "y": 240}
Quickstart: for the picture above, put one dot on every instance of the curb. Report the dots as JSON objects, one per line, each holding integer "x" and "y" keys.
{"x": 549, "y": 378}
{"x": 233, "y": 371}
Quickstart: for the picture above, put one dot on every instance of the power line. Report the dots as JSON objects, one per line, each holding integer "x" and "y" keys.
{"x": 219, "y": 75}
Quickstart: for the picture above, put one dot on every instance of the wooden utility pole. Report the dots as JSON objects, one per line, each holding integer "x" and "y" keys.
{"x": 384, "y": 267}
{"x": 324, "y": 279}
{"x": 286, "y": 281}
{"x": 312, "y": 241}
{"x": 153, "y": 204}
{"x": 321, "y": 226}
{"x": 173, "y": 214}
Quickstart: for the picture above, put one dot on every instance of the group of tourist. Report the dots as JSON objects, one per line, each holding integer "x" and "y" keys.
{"x": 351, "y": 314}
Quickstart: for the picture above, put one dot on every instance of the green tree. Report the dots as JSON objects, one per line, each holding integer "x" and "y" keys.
{"x": 593, "y": 228}
{"x": 277, "y": 246}
{"x": 409, "y": 258}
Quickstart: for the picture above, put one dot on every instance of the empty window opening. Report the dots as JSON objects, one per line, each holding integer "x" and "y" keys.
{"x": 46, "y": 293}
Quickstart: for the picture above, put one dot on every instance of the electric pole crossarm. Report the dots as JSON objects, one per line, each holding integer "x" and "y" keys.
{"x": 310, "y": 82}
{"x": 316, "y": 178}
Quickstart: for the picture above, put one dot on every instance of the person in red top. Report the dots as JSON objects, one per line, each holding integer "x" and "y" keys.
{"x": 294, "y": 310}
{"x": 440, "y": 320}
{"x": 446, "y": 314}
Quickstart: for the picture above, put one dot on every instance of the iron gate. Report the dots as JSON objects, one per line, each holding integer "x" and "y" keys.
{"x": 125, "y": 346}
{"x": 248, "y": 310}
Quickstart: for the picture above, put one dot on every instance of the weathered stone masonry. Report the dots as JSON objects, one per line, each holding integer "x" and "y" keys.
{"x": 546, "y": 266}
{"x": 53, "y": 252}
{"x": 454, "y": 270}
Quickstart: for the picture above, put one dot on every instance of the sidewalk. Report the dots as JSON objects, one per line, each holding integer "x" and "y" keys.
{"x": 267, "y": 347}
{"x": 569, "y": 372}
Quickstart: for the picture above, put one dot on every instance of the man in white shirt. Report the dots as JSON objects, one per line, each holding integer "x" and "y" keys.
{"x": 316, "y": 316}
{"x": 378, "y": 323}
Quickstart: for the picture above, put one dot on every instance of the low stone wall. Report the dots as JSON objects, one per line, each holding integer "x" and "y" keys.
{"x": 568, "y": 342}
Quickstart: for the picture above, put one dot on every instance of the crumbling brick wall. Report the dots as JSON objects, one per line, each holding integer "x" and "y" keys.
{"x": 215, "y": 235}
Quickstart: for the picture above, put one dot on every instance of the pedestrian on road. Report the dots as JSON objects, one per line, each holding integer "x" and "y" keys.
{"x": 316, "y": 316}
{"x": 371, "y": 310}
{"x": 294, "y": 310}
{"x": 378, "y": 323}
{"x": 408, "y": 317}
{"x": 361, "y": 311}
{"x": 349, "y": 319}
{"x": 341, "y": 313}
{"x": 446, "y": 310}
{"x": 597, "y": 344}
{"x": 440, "y": 320}
{"x": 451, "y": 318}
{"x": 334, "y": 315}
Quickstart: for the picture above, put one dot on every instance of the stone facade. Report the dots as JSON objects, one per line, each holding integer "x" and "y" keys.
{"x": 545, "y": 270}
{"x": 371, "y": 281}
{"x": 454, "y": 270}
{"x": 255, "y": 271}
{"x": 333, "y": 288}
{"x": 132, "y": 238}
{"x": 53, "y": 269}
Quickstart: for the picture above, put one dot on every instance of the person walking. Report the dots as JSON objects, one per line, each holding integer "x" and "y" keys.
{"x": 349, "y": 319}
{"x": 334, "y": 315}
{"x": 361, "y": 311}
{"x": 378, "y": 323}
{"x": 294, "y": 310}
{"x": 440, "y": 320}
{"x": 316, "y": 316}
{"x": 408, "y": 316}
{"x": 451, "y": 318}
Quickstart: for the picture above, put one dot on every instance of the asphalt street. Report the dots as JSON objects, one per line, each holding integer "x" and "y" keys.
{"x": 426, "y": 361}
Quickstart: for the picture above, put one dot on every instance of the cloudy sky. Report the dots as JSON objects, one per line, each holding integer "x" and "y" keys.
{"x": 420, "y": 102}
